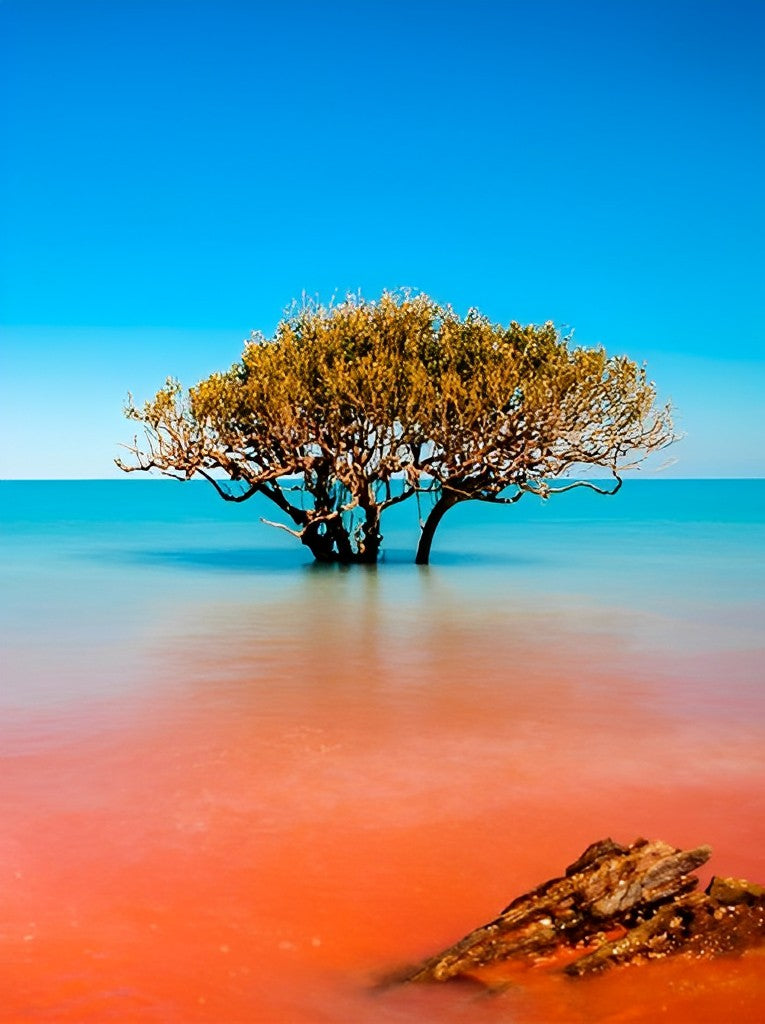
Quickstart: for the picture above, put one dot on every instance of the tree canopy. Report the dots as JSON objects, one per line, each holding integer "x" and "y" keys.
{"x": 352, "y": 408}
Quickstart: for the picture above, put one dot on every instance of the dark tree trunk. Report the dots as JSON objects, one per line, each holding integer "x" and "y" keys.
{"x": 447, "y": 500}
{"x": 332, "y": 544}
{"x": 371, "y": 538}
{"x": 318, "y": 543}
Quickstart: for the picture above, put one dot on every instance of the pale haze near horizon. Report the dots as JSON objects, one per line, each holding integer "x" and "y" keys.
{"x": 177, "y": 175}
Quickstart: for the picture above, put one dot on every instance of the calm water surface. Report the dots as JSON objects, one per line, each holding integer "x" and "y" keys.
{"x": 241, "y": 789}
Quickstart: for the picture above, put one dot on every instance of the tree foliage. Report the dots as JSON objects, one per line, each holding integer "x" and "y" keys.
{"x": 370, "y": 403}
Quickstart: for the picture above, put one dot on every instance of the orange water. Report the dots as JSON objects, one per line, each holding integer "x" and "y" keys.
{"x": 269, "y": 826}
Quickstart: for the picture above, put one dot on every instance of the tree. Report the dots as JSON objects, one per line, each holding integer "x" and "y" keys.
{"x": 368, "y": 404}
{"x": 511, "y": 409}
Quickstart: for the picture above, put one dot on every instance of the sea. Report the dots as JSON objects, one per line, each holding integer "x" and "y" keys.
{"x": 239, "y": 787}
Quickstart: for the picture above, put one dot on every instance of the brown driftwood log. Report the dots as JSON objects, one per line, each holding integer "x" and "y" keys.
{"x": 617, "y": 904}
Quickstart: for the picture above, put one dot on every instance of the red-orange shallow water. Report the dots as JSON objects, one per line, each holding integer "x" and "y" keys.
{"x": 266, "y": 850}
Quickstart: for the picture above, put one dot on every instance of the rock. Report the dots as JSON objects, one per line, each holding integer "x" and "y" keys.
{"x": 645, "y": 892}
{"x": 734, "y": 890}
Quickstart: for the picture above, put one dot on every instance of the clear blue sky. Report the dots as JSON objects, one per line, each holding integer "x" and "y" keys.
{"x": 174, "y": 172}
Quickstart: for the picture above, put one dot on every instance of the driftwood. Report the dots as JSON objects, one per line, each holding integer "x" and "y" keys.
{"x": 614, "y": 905}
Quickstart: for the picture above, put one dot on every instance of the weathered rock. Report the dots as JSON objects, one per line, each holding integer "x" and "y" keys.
{"x": 645, "y": 892}
{"x": 728, "y": 917}
{"x": 735, "y": 890}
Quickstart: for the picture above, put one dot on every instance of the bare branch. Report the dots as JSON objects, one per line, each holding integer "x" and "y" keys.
{"x": 281, "y": 526}
{"x": 544, "y": 490}
{"x": 225, "y": 494}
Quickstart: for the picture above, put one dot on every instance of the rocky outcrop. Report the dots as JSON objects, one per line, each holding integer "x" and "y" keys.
{"x": 614, "y": 905}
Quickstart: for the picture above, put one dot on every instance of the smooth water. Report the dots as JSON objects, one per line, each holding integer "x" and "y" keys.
{"x": 239, "y": 787}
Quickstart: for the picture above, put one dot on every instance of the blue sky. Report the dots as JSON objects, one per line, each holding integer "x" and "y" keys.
{"x": 176, "y": 171}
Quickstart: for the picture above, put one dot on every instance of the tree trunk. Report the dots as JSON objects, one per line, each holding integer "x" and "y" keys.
{"x": 333, "y": 544}
{"x": 371, "y": 538}
{"x": 446, "y": 501}
{"x": 319, "y": 544}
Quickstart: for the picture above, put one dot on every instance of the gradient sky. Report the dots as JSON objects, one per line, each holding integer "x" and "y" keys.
{"x": 174, "y": 172}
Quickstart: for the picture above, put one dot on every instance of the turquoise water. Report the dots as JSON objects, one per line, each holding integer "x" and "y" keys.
{"x": 655, "y": 543}
{"x": 114, "y": 567}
